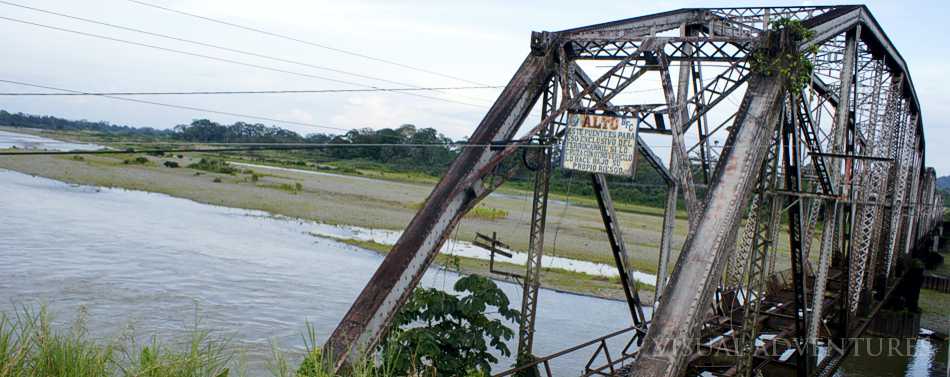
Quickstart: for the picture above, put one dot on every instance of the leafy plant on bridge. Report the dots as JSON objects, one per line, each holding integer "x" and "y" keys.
{"x": 781, "y": 54}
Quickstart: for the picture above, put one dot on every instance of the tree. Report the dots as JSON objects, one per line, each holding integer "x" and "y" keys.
{"x": 451, "y": 333}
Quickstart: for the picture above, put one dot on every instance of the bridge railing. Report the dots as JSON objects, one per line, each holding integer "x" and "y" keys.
{"x": 614, "y": 361}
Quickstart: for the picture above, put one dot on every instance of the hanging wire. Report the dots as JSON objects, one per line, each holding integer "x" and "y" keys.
{"x": 567, "y": 203}
{"x": 233, "y": 92}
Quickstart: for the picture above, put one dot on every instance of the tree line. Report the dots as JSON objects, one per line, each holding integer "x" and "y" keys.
{"x": 404, "y": 148}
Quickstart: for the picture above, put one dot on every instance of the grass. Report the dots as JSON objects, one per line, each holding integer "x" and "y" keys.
{"x": 487, "y": 213}
{"x": 136, "y": 161}
{"x": 480, "y": 211}
{"x": 214, "y": 166}
{"x": 294, "y": 188}
{"x": 553, "y": 278}
{"x": 32, "y": 345}
{"x": 341, "y": 200}
{"x": 935, "y": 311}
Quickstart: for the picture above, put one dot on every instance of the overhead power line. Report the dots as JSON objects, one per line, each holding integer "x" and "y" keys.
{"x": 261, "y": 147}
{"x": 226, "y": 92}
{"x": 314, "y": 44}
{"x": 209, "y": 45}
{"x": 181, "y": 107}
{"x": 220, "y": 59}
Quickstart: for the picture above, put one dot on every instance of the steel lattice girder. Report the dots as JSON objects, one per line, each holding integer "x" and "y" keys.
{"x": 726, "y": 34}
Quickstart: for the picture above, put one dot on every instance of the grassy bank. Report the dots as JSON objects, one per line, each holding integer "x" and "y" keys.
{"x": 31, "y": 344}
{"x": 34, "y": 344}
{"x": 343, "y": 192}
{"x": 935, "y": 311}
{"x": 552, "y": 278}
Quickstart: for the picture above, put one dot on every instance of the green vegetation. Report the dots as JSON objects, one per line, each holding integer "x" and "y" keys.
{"x": 935, "y": 311}
{"x": 136, "y": 161}
{"x": 46, "y": 122}
{"x": 488, "y": 213}
{"x": 480, "y": 211}
{"x": 782, "y": 57}
{"x": 31, "y": 346}
{"x": 405, "y": 153}
{"x": 435, "y": 334}
{"x": 451, "y": 334}
{"x": 214, "y": 166}
{"x": 554, "y": 278}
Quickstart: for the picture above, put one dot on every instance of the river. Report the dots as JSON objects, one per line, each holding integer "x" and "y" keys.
{"x": 147, "y": 261}
{"x": 150, "y": 264}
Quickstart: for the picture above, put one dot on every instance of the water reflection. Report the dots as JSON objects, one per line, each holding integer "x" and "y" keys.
{"x": 879, "y": 357}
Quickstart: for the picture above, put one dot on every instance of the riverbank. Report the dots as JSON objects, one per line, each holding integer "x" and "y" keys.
{"x": 365, "y": 202}
{"x": 935, "y": 311}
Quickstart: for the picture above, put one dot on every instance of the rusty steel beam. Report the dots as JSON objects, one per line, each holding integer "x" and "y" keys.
{"x": 679, "y": 160}
{"x": 539, "y": 210}
{"x": 370, "y": 315}
{"x": 791, "y": 159}
{"x": 619, "y": 249}
{"x": 690, "y": 289}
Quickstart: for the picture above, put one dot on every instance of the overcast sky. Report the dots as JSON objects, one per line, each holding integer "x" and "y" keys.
{"x": 480, "y": 41}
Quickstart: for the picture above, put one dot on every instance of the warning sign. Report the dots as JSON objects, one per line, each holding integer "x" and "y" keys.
{"x": 600, "y": 144}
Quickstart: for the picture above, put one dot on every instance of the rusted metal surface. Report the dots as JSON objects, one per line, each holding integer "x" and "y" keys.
{"x": 618, "y": 247}
{"x": 370, "y": 315}
{"x": 849, "y": 155}
{"x": 694, "y": 280}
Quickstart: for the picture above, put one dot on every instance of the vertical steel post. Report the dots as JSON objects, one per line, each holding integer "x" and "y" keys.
{"x": 697, "y": 273}
{"x": 666, "y": 240}
{"x": 539, "y": 210}
{"x": 756, "y": 241}
{"x": 791, "y": 158}
{"x": 617, "y": 246}
{"x": 679, "y": 161}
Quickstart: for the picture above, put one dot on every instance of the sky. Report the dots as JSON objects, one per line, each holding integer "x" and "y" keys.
{"x": 479, "y": 41}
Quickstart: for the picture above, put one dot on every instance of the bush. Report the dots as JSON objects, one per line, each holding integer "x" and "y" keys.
{"x": 171, "y": 164}
{"x": 136, "y": 161}
{"x": 450, "y": 334}
{"x": 216, "y": 180}
{"x": 933, "y": 260}
{"x": 214, "y": 166}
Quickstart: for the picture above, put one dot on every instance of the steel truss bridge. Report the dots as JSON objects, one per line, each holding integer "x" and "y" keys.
{"x": 836, "y": 164}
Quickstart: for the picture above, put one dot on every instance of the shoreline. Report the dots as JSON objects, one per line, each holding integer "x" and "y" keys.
{"x": 469, "y": 265}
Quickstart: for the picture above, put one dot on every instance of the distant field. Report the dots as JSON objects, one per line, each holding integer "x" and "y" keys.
{"x": 372, "y": 198}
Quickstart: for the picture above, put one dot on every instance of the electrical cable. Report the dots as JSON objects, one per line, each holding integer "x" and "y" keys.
{"x": 229, "y": 92}
{"x": 181, "y": 107}
{"x": 205, "y": 44}
{"x": 224, "y": 60}
{"x": 314, "y": 44}
{"x": 255, "y": 147}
